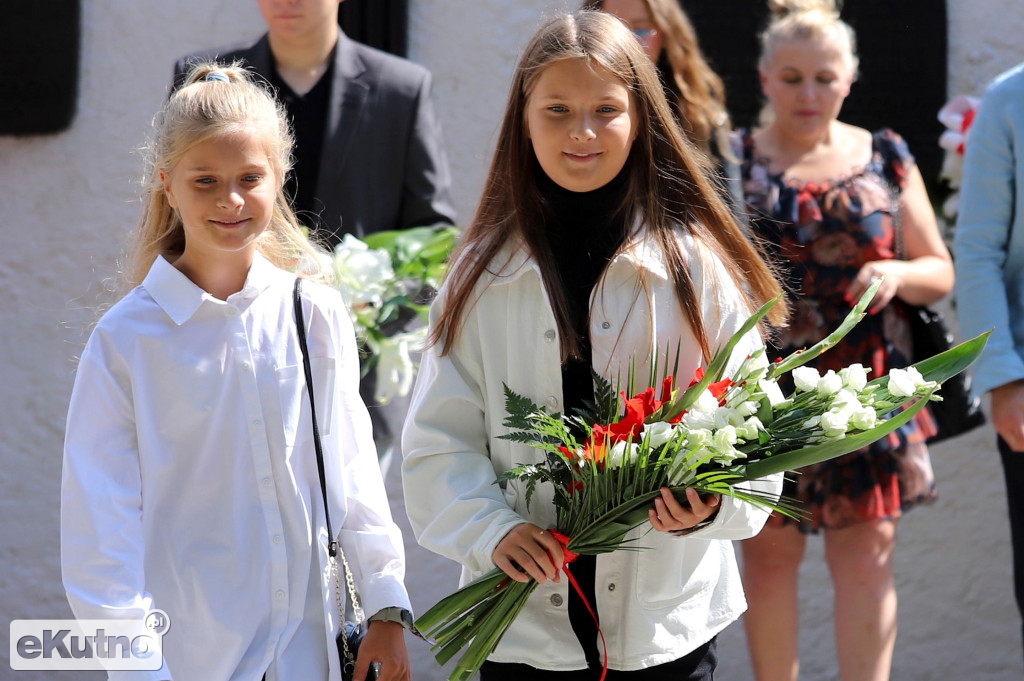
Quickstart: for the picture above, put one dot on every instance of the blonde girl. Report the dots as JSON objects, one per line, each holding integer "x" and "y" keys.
{"x": 598, "y": 239}
{"x": 190, "y": 480}
{"x": 839, "y": 207}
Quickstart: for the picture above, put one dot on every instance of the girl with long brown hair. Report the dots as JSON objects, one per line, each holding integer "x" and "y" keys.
{"x": 598, "y": 240}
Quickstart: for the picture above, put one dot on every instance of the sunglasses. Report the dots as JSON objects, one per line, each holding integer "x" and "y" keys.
{"x": 645, "y": 35}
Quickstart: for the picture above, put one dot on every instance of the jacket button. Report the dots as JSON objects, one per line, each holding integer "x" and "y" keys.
{"x": 549, "y": 335}
{"x": 606, "y": 325}
{"x": 552, "y": 401}
{"x": 611, "y": 587}
{"x": 556, "y": 600}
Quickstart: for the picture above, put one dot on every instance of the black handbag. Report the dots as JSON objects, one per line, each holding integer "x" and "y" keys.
{"x": 957, "y": 412}
{"x": 351, "y": 634}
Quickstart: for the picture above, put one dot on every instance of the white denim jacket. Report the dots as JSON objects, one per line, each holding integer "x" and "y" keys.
{"x": 656, "y": 604}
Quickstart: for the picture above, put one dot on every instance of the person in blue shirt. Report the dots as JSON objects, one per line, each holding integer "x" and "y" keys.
{"x": 989, "y": 256}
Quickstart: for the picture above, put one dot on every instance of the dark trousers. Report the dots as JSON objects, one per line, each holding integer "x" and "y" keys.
{"x": 697, "y": 666}
{"x": 1013, "y": 471}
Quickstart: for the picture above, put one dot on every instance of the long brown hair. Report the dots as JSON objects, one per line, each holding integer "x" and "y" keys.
{"x": 667, "y": 187}
{"x": 701, "y": 101}
{"x": 200, "y": 110}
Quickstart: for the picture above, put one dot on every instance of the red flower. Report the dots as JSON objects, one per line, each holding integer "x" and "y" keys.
{"x": 596, "y": 447}
{"x": 719, "y": 389}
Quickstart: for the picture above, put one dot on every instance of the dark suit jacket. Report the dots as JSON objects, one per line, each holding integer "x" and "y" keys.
{"x": 383, "y": 164}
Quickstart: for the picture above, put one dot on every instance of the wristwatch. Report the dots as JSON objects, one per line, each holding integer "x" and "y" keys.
{"x": 393, "y": 614}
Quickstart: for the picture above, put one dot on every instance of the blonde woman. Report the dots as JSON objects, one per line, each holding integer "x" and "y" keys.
{"x": 838, "y": 207}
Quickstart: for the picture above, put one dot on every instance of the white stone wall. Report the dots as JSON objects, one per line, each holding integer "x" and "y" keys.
{"x": 67, "y": 200}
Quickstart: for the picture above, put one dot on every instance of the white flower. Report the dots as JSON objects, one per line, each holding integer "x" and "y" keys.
{"x": 697, "y": 438}
{"x": 724, "y": 438}
{"x": 753, "y": 367}
{"x": 918, "y": 379}
{"x": 811, "y": 423}
{"x": 658, "y": 433}
{"x": 806, "y": 378}
{"x": 722, "y": 443}
{"x": 901, "y": 383}
{"x": 727, "y": 416}
{"x": 835, "y": 422}
{"x": 703, "y": 412}
{"x": 395, "y": 368}
{"x": 845, "y": 399}
{"x": 362, "y": 274}
{"x": 622, "y": 452}
{"x": 855, "y": 377}
{"x": 864, "y": 419}
{"x": 750, "y": 428}
{"x": 748, "y": 408}
{"x": 829, "y": 384}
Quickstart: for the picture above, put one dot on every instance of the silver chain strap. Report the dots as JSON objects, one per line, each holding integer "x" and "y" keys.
{"x": 357, "y": 610}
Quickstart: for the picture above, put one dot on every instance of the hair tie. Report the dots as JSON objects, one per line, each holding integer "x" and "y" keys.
{"x": 215, "y": 75}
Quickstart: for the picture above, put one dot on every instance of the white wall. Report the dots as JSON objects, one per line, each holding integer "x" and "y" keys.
{"x": 67, "y": 200}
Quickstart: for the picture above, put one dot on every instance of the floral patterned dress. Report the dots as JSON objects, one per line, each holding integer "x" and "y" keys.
{"x": 821, "y": 233}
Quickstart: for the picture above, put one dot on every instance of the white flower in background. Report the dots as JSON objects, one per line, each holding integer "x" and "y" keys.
{"x": 901, "y": 383}
{"x": 829, "y": 384}
{"x": 395, "y": 368}
{"x": 855, "y": 377}
{"x": 623, "y": 452}
{"x": 362, "y": 273}
{"x": 658, "y": 433}
{"x": 805, "y": 378}
{"x": 957, "y": 115}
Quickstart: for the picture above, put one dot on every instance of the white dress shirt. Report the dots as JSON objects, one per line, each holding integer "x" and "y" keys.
{"x": 656, "y": 604}
{"x": 190, "y": 481}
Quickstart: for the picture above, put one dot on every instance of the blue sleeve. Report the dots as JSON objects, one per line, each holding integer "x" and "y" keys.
{"x": 987, "y": 200}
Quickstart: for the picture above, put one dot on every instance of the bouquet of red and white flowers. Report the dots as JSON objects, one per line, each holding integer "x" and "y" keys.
{"x": 609, "y": 463}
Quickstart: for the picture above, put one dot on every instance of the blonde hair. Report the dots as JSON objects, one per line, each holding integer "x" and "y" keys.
{"x": 807, "y": 20}
{"x": 667, "y": 187}
{"x": 215, "y": 100}
{"x": 701, "y": 100}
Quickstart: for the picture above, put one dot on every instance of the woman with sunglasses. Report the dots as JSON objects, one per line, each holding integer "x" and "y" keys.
{"x": 668, "y": 37}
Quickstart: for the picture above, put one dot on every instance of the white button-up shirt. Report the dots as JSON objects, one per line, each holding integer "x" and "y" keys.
{"x": 190, "y": 480}
{"x": 676, "y": 593}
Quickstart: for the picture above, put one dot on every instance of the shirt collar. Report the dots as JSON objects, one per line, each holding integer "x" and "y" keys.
{"x": 180, "y": 298}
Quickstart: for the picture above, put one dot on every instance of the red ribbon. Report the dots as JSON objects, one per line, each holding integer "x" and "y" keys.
{"x": 569, "y": 557}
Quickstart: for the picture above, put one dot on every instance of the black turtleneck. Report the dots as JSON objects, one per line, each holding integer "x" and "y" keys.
{"x": 585, "y": 229}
